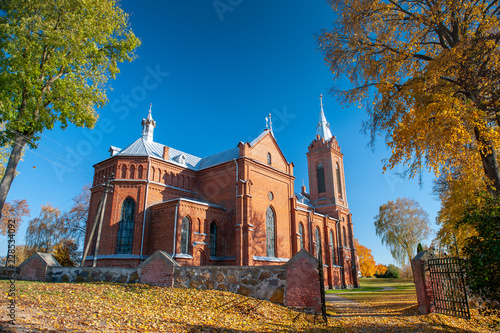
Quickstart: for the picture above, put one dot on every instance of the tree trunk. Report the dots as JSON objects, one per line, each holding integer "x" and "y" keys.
{"x": 10, "y": 172}
{"x": 489, "y": 158}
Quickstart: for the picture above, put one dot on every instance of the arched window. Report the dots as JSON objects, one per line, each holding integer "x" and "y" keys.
{"x": 126, "y": 227}
{"x": 269, "y": 159}
{"x": 139, "y": 172}
{"x": 124, "y": 171}
{"x": 301, "y": 236}
{"x": 213, "y": 239}
{"x": 332, "y": 247}
{"x": 320, "y": 171}
{"x": 339, "y": 181}
{"x": 270, "y": 239}
{"x": 152, "y": 174}
{"x": 318, "y": 241}
{"x": 159, "y": 175}
{"x": 345, "y": 237}
{"x": 185, "y": 235}
{"x": 132, "y": 171}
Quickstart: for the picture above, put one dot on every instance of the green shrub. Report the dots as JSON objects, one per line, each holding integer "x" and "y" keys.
{"x": 482, "y": 251}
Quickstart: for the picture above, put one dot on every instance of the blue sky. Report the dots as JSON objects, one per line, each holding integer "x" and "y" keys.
{"x": 213, "y": 71}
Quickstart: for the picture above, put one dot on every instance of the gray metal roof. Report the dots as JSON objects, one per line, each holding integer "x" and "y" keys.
{"x": 303, "y": 200}
{"x": 153, "y": 149}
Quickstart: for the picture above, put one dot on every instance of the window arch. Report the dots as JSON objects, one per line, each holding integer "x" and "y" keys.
{"x": 301, "y": 236}
{"x": 320, "y": 172}
{"x": 269, "y": 159}
{"x": 270, "y": 233}
{"x": 339, "y": 180}
{"x": 345, "y": 237}
{"x": 124, "y": 171}
{"x": 152, "y": 174}
{"x": 318, "y": 242}
{"x": 213, "y": 239}
{"x": 139, "y": 171}
{"x": 132, "y": 171}
{"x": 126, "y": 227}
{"x": 185, "y": 235}
{"x": 332, "y": 247}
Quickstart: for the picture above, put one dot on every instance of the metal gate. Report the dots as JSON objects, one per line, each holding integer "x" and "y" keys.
{"x": 448, "y": 286}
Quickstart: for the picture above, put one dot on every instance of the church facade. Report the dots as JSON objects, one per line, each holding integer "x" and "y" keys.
{"x": 237, "y": 207}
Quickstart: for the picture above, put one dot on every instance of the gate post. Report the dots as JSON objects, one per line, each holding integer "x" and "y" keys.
{"x": 422, "y": 281}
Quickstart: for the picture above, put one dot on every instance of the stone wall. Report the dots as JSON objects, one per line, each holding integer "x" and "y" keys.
{"x": 88, "y": 274}
{"x": 7, "y": 273}
{"x": 263, "y": 282}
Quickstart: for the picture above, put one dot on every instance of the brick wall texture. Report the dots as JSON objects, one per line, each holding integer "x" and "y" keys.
{"x": 235, "y": 195}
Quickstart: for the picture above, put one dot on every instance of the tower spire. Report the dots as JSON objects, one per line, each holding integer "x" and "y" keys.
{"x": 323, "y": 128}
{"x": 148, "y": 126}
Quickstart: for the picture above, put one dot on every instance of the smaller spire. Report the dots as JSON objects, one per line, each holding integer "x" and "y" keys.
{"x": 150, "y": 117}
{"x": 323, "y": 128}
{"x": 148, "y": 126}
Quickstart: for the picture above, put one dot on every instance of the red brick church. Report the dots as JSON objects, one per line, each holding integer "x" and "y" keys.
{"x": 237, "y": 207}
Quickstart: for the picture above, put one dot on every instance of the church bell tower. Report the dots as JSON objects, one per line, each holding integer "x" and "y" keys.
{"x": 326, "y": 170}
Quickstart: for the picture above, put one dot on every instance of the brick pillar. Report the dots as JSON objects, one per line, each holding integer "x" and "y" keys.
{"x": 36, "y": 267}
{"x": 302, "y": 282}
{"x": 422, "y": 281}
{"x": 157, "y": 270}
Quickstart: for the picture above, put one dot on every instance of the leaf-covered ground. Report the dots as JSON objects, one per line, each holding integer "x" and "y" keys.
{"x": 396, "y": 311}
{"x": 105, "y": 307}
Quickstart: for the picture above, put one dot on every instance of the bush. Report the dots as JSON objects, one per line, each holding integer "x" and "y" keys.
{"x": 392, "y": 272}
{"x": 482, "y": 251}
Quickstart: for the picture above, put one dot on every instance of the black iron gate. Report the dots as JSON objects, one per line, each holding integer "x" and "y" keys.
{"x": 448, "y": 286}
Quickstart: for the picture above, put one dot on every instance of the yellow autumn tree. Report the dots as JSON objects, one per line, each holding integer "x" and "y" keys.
{"x": 380, "y": 269}
{"x": 427, "y": 73}
{"x": 366, "y": 261}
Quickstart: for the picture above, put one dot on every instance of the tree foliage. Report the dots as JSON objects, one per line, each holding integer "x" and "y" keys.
{"x": 380, "y": 269}
{"x": 426, "y": 70}
{"x": 76, "y": 218}
{"x": 15, "y": 211}
{"x": 402, "y": 224}
{"x": 66, "y": 253}
{"x": 47, "y": 230}
{"x": 55, "y": 60}
{"x": 483, "y": 249}
{"x": 367, "y": 264}
{"x": 456, "y": 193}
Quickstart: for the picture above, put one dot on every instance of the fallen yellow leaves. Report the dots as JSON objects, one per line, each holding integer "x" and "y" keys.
{"x": 105, "y": 307}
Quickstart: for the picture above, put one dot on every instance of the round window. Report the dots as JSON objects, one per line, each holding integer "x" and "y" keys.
{"x": 271, "y": 196}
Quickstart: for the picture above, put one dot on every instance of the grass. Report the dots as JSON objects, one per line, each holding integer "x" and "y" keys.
{"x": 108, "y": 307}
{"x": 362, "y": 289}
{"x": 376, "y": 284}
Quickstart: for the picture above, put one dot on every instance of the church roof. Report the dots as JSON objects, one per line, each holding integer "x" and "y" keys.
{"x": 142, "y": 147}
{"x": 303, "y": 200}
